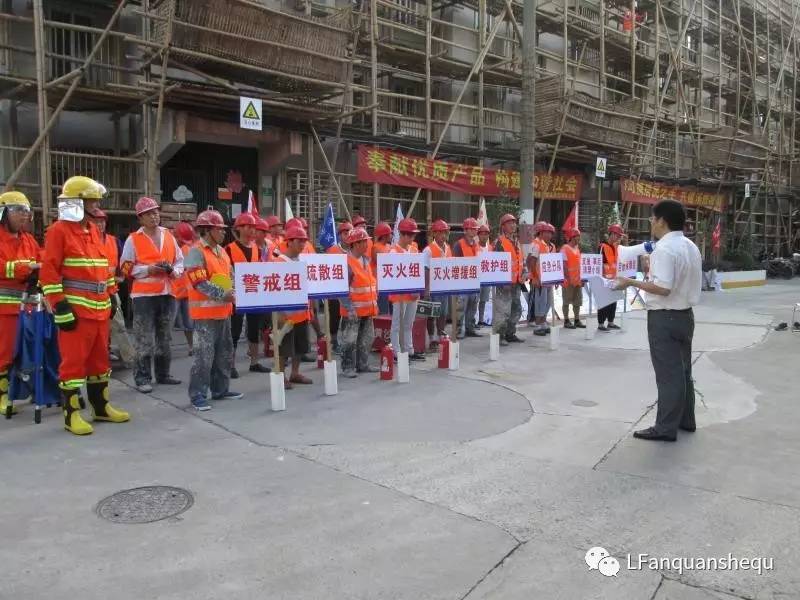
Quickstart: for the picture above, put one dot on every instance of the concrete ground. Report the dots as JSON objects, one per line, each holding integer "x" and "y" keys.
{"x": 491, "y": 482}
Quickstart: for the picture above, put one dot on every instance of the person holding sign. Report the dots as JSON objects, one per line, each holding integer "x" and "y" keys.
{"x": 382, "y": 244}
{"x": 507, "y": 307}
{"x": 360, "y": 222}
{"x": 468, "y": 246}
{"x": 540, "y": 301}
{"x": 438, "y": 248}
{"x": 274, "y": 236}
{"x": 483, "y": 246}
{"x": 610, "y": 252}
{"x": 262, "y": 242}
{"x": 404, "y": 306}
{"x": 358, "y": 309}
{"x": 343, "y": 231}
{"x": 572, "y": 290}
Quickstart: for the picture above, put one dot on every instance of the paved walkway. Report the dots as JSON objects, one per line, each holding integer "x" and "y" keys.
{"x": 489, "y": 482}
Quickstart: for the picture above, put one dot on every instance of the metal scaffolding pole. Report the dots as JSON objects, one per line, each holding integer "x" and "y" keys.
{"x": 528, "y": 116}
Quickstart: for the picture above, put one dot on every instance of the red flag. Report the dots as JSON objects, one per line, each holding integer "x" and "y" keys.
{"x": 716, "y": 235}
{"x": 572, "y": 219}
{"x": 252, "y": 207}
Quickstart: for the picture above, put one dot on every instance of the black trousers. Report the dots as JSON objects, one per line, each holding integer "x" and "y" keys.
{"x": 255, "y": 323}
{"x": 670, "y": 334}
{"x": 333, "y": 307}
{"x": 607, "y": 313}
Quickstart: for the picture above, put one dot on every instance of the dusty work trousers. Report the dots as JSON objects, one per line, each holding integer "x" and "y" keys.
{"x": 213, "y": 350}
{"x": 467, "y": 308}
{"x": 403, "y": 316}
{"x": 506, "y": 309}
{"x": 152, "y": 333}
{"x": 484, "y": 298}
{"x": 572, "y": 295}
{"x": 8, "y": 325}
{"x": 84, "y": 352}
{"x": 670, "y": 334}
{"x": 356, "y": 337}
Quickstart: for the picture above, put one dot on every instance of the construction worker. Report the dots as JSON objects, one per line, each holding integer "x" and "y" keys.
{"x": 243, "y": 250}
{"x": 184, "y": 233}
{"x": 293, "y": 334}
{"x": 209, "y": 272}
{"x": 506, "y": 306}
{"x": 20, "y": 257}
{"x": 610, "y": 252}
{"x": 309, "y": 247}
{"x": 437, "y": 248}
{"x": 467, "y": 246}
{"x": 404, "y": 306}
{"x": 343, "y": 231}
{"x": 572, "y": 290}
{"x": 76, "y": 282}
{"x": 358, "y": 309}
{"x": 262, "y": 242}
{"x": 381, "y": 245}
{"x": 275, "y": 234}
{"x": 483, "y": 246}
{"x": 541, "y": 296}
{"x": 152, "y": 261}
{"x": 360, "y": 222}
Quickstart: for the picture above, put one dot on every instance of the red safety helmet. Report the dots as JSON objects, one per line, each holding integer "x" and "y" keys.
{"x": 210, "y": 218}
{"x": 570, "y": 234}
{"x": 357, "y": 235}
{"x": 295, "y": 233}
{"x": 614, "y": 228}
{"x": 145, "y": 205}
{"x": 97, "y": 213}
{"x": 382, "y": 229}
{"x": 273, "y": 221}
{"x": 408, "y": 226}
{"x": 261, "y": 224}
{"x": 439, "y": 226}
{"x": 484, "y": 229}
{"x": 184, "y": 232}
{"x": 506, "y": 218}
{"x": 470, "y": 223}
{"x": 245, "y": 219}
{"x": 303, "y": 222}
{"x": 359, "y": 220}
{"x": 345, "y": 227}
{"x": 294, "y": 222}
{"x": 543, "y": 226}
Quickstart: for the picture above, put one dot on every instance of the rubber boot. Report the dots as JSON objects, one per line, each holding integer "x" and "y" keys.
{"x": 73, "y": 420}
{"x": 97, "y": 392}
{"x": 5, "y": 403}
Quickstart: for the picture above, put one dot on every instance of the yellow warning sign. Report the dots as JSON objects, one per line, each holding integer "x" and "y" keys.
{"x": 250, "y": 112}
{"x": 600, "y": 168}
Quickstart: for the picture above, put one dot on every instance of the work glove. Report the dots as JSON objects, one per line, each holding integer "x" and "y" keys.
{"x": 114, "y": 305}
{"x": 64, "y": 317}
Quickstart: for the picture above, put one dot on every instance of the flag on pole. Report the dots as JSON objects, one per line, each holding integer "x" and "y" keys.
{"x": 252, "y": 207}
{"x": 615, "y": 219}
{"x": 572, "y": 219}
{"x": 716, "y": 235}
{"x": 483, "y": 218}
{"x": 327, "y": 232}
{"x": 289, "y": 214}
{"x": 396, "y": 232}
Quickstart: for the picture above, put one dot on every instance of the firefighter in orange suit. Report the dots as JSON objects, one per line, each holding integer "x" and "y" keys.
{"x": 241, "y": 250}
{"x": 358, "y": 309}
{"x": 19, "y": 265}
{"x": 184, "y": 234}
{"x": 76, "y": 282}
{"x": 610, "y": 251}
{"x": 572, "y": 290}
{"x": 506, "y": 305}
{"x": 152, "y": 260}
{"x": 343, "y": 230}
{"x": 437, "y": 248}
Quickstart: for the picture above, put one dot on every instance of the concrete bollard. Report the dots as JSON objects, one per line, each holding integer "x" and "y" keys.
{"x": 331, "y": 378}
{"x": 277, "y": 392}
{"x": 555, "y": 337}
{"x": 403, "y": 370}
{"x": 454, "y": 356}
{"x": 494, "y": 346}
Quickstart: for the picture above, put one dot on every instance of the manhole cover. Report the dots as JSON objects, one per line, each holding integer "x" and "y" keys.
{"x": 584, "y": 403}
{"x": 145, "y": 504}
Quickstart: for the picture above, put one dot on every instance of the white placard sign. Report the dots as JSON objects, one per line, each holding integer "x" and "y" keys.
{"x": 262, "y": 286}
{"x": 591, "y": 266}
{"x": 551, "y": 268}
{"x": 627, "y": 267}
{"x": 455, "y": 275}
{"x": 327, "y": 275}
{"x": 250, "y": 115}
{"x": 495, "y": 268}
{"x": 401, "y": 273}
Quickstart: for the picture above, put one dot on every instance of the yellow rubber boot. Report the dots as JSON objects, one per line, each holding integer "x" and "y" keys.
{"x": 98, "y": 394}
{"x": 73, "y": 421}
{"x": 5, "y": 403}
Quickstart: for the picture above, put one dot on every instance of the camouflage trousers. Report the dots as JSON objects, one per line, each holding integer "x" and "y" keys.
{"x": 355, "y": 340}
{"x": 506, "y": 310}
{"x": 213, "y": 352}
{"x": 152, "y": 335}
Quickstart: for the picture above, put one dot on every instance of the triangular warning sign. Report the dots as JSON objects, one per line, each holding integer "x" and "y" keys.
{"x": 601, "y": 164}
{"x": 250, "y": 111}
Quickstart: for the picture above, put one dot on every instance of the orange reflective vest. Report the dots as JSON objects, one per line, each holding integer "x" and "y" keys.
{"x": 504, "y": 244}
{"x": 544, "y": 248}
{"x": 363, "y": 289}
{"x": 378, "y": 248}
{"x": 180, "y": 287}
{"x": 283, "y": 246}
{"x": 238, "y": 256}
{"x": 572, "y": 265}
{"x": 298, "y": 316}
{"x": 437, "y": 252}
{"x": 201, "y": 306}
{"x": 75, "y": 268}
{"x": 17, "y": 253}
{"x": 337, "y": 249}
{"x": 468, "y": 251}
{"x": 112, "y": 251}
{"x": 147, "y": 254}
{"x": 609, "y": 260}
{"x": 412, "y": 249}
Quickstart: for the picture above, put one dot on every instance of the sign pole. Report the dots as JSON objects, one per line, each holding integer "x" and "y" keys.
{"x": 454, "y": 318}
{"x": 276, "y": 383}
{"x": 329, "y": 348}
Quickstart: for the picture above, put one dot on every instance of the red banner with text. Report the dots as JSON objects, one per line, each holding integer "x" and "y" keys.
{"x": 379, "y": 165}
{"x": 650, "y": 192}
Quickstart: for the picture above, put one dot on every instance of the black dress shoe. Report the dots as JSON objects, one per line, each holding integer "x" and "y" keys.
{"x": 690, "y": 429}
{"x": 259, "y": 368}
{"x": 614, "y": 326}
{"x": 168, "y": 381}
{"x": 569, "y": 325}
{"x": 651, "y": 434}
{"x": 514, "y": 338}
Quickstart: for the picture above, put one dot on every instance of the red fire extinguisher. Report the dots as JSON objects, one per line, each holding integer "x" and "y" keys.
{"x": 268, "y": 343}
{"x": 322, "y": 352}
{"x": 444, "y": 353}
{"x": 387, "y": 363}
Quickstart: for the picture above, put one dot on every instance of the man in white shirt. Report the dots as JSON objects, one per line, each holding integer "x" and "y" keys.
{"x": 676, "y": 281}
